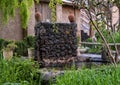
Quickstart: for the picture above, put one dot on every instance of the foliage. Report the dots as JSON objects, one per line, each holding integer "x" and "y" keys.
{"x": 21, "y": 48}
{"x": 52, "y": 6}
{"x": 93, "y": 48}
{"x": 8, "y": 7}
{"x": 99, "y": 12}
{"x": 117, "y": 2}
{"x": 10, "y": 46}
{"x": 106, "y": 75}
{"x": 97, "y": 49}
{"x": 30, "y": 40}
{"x": 116, "y": 36}
{"x": 23, "y": 45}
{"x": 3, "y": 43}
{"x": 18, "y": 71}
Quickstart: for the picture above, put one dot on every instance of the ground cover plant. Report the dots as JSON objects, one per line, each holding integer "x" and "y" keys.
{"x": 106, "y": 75}
{"x": 18, "y": 72}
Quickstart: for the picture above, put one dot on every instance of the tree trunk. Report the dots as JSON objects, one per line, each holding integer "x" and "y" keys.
{"x": 119, "y": 18}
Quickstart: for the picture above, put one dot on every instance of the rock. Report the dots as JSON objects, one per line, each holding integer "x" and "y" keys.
{"x": 55, "y": 44}
{"x": 48, "y": 77}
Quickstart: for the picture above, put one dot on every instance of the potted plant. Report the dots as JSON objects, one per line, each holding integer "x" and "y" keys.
{"x": 8, "y": 51}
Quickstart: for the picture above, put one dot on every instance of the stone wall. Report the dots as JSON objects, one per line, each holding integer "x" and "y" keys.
{"x": 59, "y": 43}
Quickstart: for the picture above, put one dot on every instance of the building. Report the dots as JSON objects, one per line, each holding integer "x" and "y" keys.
{"x": 62, "y": 12}
{"x": 13, "y": 31}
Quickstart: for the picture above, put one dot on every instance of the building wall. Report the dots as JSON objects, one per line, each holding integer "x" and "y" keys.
{"x": 66, "y": 11}
{"x": 59, "y": 13}
{"x": 31, "y": 22}
{"x": 13, "y": 30}
{"x": 45, "y": 11}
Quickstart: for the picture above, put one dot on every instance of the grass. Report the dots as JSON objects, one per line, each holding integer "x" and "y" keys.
{"x": 18, "y": 72}
{"x": 106, "y": 75}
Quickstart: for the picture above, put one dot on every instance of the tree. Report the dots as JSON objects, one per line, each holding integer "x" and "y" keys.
{"x": 102, "y": 13}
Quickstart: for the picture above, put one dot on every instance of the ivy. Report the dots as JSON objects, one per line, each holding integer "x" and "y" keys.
{"x": 8, "y": 7}
{"x": 52, "y": 6}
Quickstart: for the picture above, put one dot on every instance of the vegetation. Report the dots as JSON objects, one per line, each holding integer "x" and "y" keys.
{"x": 52, "y": 6}
{"x": 106, "y": 75}
{"x": 3, "y": 43}
{"x": 97, "y": 49}
{"x": 18, "y": 72}
{"x": 21, "y": 47}
{"x": 8, "y": 7}
{"x": 102, "y": 14}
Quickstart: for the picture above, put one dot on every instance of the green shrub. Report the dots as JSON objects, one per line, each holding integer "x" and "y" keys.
{"x": 4, "y": 43}
{"x": 100, "y": 76}
{"x": 29, "y": 40}
{"x": 116, "y": 37}
{"x": 22, "y": 72}
{"x": 97, "y": 48}
{"x": 23, "y": 45}
{"x": 21, "y": 48}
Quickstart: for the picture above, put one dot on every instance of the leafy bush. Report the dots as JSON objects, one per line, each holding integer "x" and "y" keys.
{"x": 97, "y": 48}
{"x": 21, "y": 48}
{"x": 116, "y": 37}
{"x": 93, "y": 48}
{"x": 21, "y": 72}
{"x": 4, "y": 43}
{"x": 22, "y": 45}
{"x": 100, "y": 76}
{"x": 30, "y": 40}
